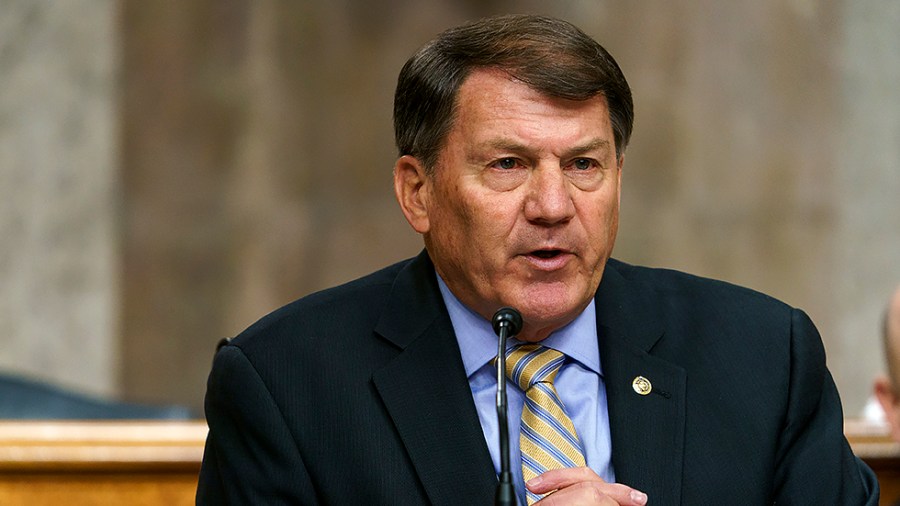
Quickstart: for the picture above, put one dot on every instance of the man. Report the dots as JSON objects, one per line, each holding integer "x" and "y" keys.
{"x": 662, "y": 388}
{"x": 887, "y": 388}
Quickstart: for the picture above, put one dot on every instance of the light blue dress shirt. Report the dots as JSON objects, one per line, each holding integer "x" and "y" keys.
{"x": 579, "y": 384}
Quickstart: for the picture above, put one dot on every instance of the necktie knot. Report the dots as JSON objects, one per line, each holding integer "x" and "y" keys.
{"x": 529, "y": 364}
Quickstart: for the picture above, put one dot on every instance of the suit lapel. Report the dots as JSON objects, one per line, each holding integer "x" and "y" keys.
{"x": 426, "y": 393}
{"x": 647, "y": 430}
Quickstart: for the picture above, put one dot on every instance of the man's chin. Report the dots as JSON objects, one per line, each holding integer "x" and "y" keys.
{"x": 546, "y": 312}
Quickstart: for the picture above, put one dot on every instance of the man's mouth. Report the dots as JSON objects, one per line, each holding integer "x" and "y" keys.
{"x": 549, "y": 259}
{"x": 546, "y": 253}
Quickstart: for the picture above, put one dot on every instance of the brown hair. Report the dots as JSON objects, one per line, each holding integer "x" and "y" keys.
{"x": 550, "y": 55}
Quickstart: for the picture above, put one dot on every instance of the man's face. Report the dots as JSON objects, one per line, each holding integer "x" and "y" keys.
{"x": 522, "y": 208}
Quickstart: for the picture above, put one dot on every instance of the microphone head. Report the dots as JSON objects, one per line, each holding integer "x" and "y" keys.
{"x": 507, "y": 317}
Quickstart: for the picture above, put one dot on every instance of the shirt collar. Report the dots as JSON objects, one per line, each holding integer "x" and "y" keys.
{"x": 478, "y": 343}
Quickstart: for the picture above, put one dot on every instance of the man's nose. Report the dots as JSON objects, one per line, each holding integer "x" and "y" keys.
{"x": 549, "y": 198}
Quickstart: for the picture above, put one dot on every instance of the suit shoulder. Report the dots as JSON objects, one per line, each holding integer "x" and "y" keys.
{"x": 349, "y": 305}
{"x": 694, "y": 289}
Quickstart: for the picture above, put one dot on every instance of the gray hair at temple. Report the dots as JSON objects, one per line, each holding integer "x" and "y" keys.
{"x": 551, "y": 56}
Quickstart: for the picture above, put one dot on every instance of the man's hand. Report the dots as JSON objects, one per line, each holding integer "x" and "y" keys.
{"x": 581, "y": 486}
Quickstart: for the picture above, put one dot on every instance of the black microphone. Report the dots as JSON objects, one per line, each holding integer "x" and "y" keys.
{"x": 507, "y": 322}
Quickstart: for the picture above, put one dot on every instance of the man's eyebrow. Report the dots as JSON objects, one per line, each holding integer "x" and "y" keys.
{"x": 507, "y": 145}
{"x": 594, "y": 145}
{"x": 512, "y": 147}
{"x": 501, "y": 145}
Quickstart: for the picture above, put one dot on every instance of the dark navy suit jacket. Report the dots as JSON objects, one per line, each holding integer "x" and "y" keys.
{"x": 357, "y": 395}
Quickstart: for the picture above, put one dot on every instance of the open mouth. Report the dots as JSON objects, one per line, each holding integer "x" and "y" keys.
{"x": 546, "y": 253}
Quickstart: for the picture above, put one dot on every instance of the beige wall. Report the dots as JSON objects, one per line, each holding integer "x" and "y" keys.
{"x": 866, "y": 238}
{"x": 255, "y": 149}
{"x": 59, "y": 299}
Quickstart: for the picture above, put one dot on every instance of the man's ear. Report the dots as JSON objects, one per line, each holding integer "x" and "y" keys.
{"x": 887, "y": 397}
{"x": 412, "y": 188}
{"x": 620, "y": 162}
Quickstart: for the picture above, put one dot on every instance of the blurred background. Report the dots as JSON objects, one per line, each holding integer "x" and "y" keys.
{"x": 170, "y": 171}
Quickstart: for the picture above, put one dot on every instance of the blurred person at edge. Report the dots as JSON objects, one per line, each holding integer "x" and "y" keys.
{"x": 887, "y": 387}
{"x": 512, "y": 133}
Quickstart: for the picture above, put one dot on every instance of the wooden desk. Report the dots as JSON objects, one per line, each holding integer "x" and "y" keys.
{"x": 100, "y": 463}
{"x": 156, "y": 463}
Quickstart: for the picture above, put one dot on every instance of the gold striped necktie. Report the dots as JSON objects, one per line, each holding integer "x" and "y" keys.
{"x": 547, "y": 438}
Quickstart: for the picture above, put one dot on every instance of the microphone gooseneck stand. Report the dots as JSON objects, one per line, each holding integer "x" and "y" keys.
{"x": 507, "y": 322}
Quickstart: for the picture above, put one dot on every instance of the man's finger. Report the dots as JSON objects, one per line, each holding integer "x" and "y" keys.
{"x": 559, "y": 479}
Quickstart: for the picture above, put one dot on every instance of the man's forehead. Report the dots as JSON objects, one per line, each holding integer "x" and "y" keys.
{"x": 492, "y": 95}
{"x": 480, "y": 77}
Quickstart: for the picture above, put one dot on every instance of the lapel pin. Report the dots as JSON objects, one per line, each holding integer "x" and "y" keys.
{"x": 641, "y": 385}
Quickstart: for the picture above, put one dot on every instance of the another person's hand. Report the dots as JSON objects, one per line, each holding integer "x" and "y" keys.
{"x": 578, "y": 486}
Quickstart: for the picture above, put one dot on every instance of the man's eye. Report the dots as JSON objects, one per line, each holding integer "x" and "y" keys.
{"x": 582, "y": 164}
{"x": 506, "y": 163}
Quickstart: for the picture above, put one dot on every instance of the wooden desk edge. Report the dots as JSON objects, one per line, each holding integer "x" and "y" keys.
{"x": 149, "y": 444}
{"x": 871, "y": 440}
{"x": 101, "y": 446}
